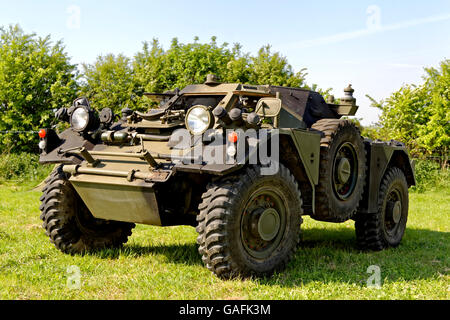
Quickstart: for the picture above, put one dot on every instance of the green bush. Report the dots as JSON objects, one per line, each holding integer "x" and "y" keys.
{"x": 22, "y": 167}
{"x": 419, "y": 115}
{"x": 430, "y": 176}
{"x": 35, "y": 77}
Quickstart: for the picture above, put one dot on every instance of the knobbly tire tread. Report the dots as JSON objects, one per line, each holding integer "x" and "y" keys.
{"x": 330, "y": 128}
{"x": 58, "y": 214}
{"x": 216, "y": 213}
{"x": 368, "y": 226}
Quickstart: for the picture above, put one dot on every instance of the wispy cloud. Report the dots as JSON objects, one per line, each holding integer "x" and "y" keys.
{"x": 339, "y": 37}
{"x": 405, "y": 66}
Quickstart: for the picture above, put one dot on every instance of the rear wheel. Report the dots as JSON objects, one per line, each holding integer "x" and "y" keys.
{"x": 70, "y": 225}
{"x": 385, "y": 228}
{"x": 249, "y": 223}
{"x": 342, "y": 170}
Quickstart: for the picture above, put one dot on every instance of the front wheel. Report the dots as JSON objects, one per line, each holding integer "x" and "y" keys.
{"x": 249, "y": 223}
{"x": 70, "y": 225}
{"x": 385, "y": 228}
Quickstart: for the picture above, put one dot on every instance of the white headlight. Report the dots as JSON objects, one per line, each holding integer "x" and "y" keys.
{"x": 199, "y": 119}
{"x": 80, "y": 119}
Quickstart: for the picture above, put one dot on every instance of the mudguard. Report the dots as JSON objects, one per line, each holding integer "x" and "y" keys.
{"x": 307, "y": 144}
{"x": 381, "y": 156}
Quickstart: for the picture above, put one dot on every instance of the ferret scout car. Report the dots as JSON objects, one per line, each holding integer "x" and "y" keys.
{"x": 241, "y": 163}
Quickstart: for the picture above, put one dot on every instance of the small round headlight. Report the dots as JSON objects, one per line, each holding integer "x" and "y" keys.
{"x": 199, "y": 119}
{"x": 79, "y": 119}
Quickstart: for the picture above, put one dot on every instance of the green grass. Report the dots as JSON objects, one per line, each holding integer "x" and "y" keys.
{"x": 163, "y": 263}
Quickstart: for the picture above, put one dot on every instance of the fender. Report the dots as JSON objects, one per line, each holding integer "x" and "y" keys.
{"x": 300, "y": 152}
{"x": 380, "y": 157}
{"x": 307, "y": 144}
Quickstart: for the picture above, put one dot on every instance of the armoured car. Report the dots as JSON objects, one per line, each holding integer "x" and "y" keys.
{"x": 241, "y": 163}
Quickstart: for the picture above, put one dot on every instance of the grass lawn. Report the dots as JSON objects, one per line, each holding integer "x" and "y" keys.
{"x": 163, "y": 263}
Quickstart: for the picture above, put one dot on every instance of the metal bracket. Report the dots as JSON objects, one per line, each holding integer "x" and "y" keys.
{"x": 130, "y": 176}
{"x": 88, "y": 157}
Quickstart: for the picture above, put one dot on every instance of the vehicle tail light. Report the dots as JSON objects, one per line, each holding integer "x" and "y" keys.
{"x": 233, "y": 137}
{"x": 42, "y": 133}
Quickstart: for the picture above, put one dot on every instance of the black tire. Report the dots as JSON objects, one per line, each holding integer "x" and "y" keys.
{"x": 386, "y": 227}
{"x": 68, "y": 222}
{"x": 231, "y": 234}
{"x": 337, "y": 201}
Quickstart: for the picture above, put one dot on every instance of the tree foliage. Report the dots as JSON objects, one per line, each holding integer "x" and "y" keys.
{"x": 182, "y": 64}
{"x": 273, "y": 68}
{"x": 35, "y": 78}
{"x": 116, "y": 81}
{"x": 110, "y": 82}
{"x": 434, "y": 134}
{"x": 157, "y": 69}
{"x": 420, "y": 115}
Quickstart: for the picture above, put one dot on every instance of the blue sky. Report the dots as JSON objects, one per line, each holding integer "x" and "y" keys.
{"x": 375, "y": 45}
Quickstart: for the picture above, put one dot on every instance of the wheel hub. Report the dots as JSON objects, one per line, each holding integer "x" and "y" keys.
{"x": 269, "y": 224}
{"x": 394, "y": 211}
{"x": 344, "y": 170}
{"x": 397, "y": 212}
{"x": 262, "y": 224}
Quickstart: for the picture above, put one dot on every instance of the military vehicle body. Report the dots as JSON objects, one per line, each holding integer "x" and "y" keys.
{"x": 113, "y": 173}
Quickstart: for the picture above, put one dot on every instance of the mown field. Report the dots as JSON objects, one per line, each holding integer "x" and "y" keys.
{"x": 163, "y": 263}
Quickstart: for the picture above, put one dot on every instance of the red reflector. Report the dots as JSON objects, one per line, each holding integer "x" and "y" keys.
{"x": 233, "y": 137}
{"x": 42, "y": 133}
